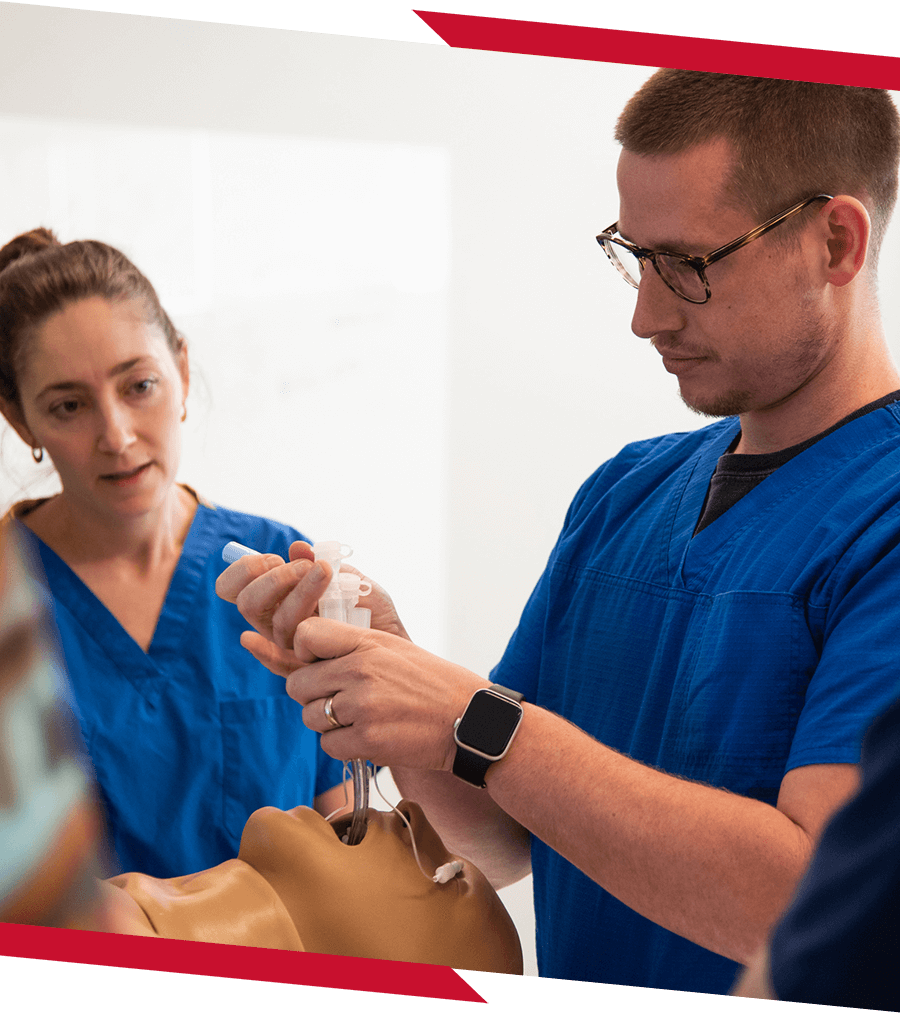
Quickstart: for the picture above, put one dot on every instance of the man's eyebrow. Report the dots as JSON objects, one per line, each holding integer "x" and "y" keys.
{"x": 73, "y": 385}
{"x": 666, "y": 246}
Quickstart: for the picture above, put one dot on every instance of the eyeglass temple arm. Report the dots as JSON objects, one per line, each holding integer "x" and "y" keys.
{"x": 760, "y": 230}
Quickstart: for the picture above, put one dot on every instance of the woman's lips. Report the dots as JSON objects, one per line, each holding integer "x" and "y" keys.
{"x": 126, "y": 478}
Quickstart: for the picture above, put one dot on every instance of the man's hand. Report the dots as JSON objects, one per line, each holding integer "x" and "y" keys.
{"x": 274, "y": 596}
{"x": 396, "y": 702}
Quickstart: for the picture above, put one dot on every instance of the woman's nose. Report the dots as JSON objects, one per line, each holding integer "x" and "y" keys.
{"x": 116, "y": 430}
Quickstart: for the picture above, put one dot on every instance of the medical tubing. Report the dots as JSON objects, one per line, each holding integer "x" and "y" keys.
{"x": 359, "y": 767}
{"x": 436, "y": 878}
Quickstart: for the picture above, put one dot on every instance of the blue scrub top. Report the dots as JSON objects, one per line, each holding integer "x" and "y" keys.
{"x": 768, "y": 641}
{"x": 189, "y": 738}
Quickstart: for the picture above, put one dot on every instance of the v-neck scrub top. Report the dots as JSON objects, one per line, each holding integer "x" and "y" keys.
{"x": 768, "y": 641}
{"x": 189, "y": 738}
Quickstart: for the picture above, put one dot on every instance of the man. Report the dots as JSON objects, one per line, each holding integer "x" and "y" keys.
{"x": 717, "y": 623}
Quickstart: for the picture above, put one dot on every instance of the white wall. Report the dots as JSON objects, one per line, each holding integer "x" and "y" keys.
{"x": 403, "y": 333}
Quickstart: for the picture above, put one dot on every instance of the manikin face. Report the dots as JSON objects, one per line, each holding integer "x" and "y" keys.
{"x": 764, "y": 333}
{"x": 103, "y": 394}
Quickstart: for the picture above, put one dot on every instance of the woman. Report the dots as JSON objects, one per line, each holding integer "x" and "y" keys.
{"x": 187, "y": 733}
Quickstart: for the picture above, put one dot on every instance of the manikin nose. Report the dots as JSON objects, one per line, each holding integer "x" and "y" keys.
{"x": 658, "y": 308}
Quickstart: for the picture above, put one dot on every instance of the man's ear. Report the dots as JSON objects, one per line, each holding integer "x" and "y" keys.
{"x": 848, "y": 229}
{"x": 13, "y": 415}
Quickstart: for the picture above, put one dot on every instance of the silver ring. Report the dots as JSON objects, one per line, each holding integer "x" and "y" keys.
{"x": 329, "y": 713}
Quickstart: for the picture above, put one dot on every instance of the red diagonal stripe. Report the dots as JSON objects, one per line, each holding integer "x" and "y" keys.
{"x": 233, "y": 962}
{"x": 466, "y": 31}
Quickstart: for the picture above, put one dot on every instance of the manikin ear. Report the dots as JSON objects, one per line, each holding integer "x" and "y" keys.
{"x": 848, "y": 228}
{"x": 13, "y": 415}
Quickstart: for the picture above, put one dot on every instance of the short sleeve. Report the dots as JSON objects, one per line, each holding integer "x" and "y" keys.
{"x": 858, "y": 673}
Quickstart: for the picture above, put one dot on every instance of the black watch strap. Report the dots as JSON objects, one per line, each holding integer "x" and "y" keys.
{"x": 470, "y": 766}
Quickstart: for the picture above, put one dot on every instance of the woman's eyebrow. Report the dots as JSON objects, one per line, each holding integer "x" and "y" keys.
{"x": 71, "y": 385}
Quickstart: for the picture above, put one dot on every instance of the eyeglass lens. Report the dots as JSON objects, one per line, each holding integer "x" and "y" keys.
{"x": 679, "y": 275}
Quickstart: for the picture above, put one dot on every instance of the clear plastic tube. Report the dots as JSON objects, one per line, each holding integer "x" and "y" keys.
{"x": 338, "y": 602}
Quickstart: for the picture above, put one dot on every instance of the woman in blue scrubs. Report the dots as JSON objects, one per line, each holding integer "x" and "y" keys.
{"x": 188, "y": 734}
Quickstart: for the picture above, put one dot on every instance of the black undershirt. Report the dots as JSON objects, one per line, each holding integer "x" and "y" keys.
{"x": 737, "y": 474}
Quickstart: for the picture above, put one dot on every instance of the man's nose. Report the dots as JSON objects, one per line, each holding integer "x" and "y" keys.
{"x": 658, "y": 308}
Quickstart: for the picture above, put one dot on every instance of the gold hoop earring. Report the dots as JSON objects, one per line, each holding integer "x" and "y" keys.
{"x": 38, "y": 454}
{"x": 184, "y": 413}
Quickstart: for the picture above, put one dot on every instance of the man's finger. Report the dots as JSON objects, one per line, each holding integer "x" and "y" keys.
{"x": 234, "y": 579}
{"x": 261, "y": 598}
{"x": 280, "y": 661}
{"x": 301, "y": 601}
{"x": 317, "y": 639}
{"x": 300, "y": 551}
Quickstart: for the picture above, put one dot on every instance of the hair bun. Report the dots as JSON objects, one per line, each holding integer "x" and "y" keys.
{"x": 27, "y": 243}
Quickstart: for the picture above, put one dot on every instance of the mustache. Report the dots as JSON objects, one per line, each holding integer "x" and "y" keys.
{"x": 669, "y": 345}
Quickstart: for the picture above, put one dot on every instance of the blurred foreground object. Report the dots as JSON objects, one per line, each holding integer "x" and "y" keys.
{"x": 50, "y": 829}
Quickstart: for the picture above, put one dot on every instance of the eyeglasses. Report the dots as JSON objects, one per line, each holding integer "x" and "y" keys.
{"x": 684, "y": 274}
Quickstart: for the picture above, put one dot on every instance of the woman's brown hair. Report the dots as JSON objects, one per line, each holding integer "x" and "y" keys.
{"x": 40, "y": 276}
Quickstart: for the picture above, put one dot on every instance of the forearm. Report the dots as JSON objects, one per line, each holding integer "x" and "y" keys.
{"x": 714, "y": 867}
{"x": 470, "y": 823}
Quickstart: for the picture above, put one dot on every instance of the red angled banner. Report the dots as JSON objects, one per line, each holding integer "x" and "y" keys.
{"x": 465, "y": 31}
{"x": 229, "y": 961}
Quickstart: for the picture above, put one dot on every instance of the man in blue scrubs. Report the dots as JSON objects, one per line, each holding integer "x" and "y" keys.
{"x": 682, "y": 704}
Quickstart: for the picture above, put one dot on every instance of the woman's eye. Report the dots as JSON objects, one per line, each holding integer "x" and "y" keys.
{"x": 62, "y": 409}
{"x": 144, "y": 386}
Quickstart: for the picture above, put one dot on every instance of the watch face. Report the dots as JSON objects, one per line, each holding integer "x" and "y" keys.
{"x": 488, "y": 723}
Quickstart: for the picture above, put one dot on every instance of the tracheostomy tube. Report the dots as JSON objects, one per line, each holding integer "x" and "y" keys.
{"x": 338, "y": 602}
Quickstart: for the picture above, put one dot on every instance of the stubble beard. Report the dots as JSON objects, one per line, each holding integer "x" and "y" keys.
{"x": 800, "y": 363}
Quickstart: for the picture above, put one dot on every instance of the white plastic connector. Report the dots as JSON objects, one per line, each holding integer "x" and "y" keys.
{"x": 444, "y": 874}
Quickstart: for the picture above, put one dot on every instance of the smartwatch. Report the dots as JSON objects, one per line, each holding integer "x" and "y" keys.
{"x": 485, "y": 731}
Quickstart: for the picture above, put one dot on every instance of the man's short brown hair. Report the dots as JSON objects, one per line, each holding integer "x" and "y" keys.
{"x": 791, "y": 139}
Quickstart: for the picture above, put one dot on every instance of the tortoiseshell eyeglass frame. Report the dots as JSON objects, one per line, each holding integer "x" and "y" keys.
{"x": 608, "y": 241}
